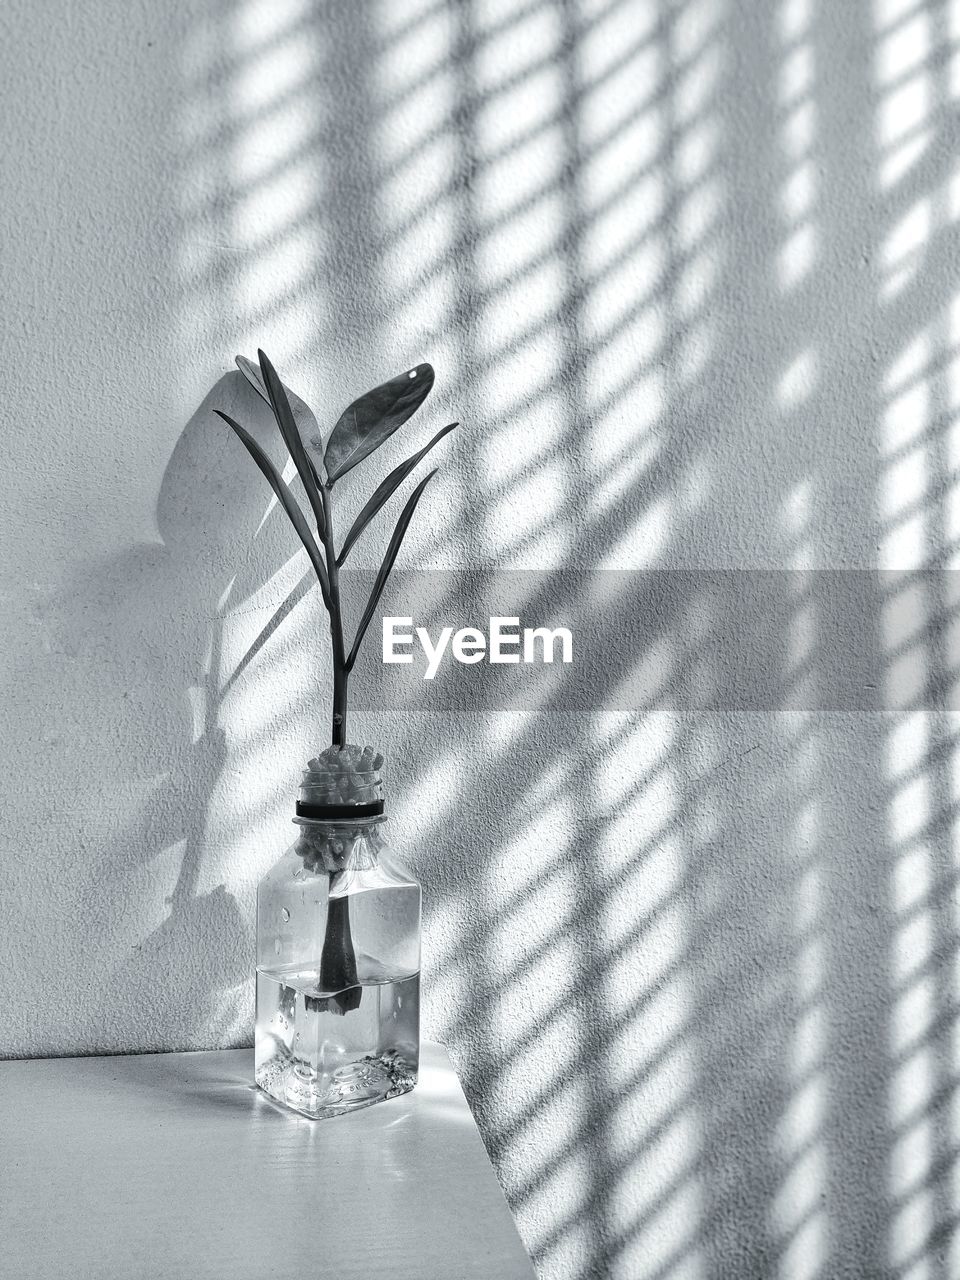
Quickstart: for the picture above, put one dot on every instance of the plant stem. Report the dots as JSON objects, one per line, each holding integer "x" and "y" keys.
{"x": 340, "y": 672}
{"x": 338, "y": 962}
{"x": 339, "y": 706}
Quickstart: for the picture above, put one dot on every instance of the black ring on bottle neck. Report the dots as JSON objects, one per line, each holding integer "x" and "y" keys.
{"x": 337, "y": 812}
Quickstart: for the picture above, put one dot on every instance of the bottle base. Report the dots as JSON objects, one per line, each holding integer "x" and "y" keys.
{"x": 350, "y": 1088}
{"x": 324, "y": 1053}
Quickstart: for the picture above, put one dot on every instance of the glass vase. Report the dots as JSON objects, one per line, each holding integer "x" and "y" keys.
{"x": 338, "y": 956}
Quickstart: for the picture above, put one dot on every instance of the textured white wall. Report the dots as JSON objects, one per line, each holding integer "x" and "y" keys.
{"x": 686, "y": 271}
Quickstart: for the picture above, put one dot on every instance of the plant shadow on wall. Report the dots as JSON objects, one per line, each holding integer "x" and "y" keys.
{"x": 132, "y": 628}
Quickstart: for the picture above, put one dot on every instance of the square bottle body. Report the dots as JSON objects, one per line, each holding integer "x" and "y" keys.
{"x": 338, "y": 973}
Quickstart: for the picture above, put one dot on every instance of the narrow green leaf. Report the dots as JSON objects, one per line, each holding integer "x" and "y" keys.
{"x": 309, "y": 429}
{"x": 385, "y": 491}
{"x": 384, "y": 571}
{"x": 291, "y": 438}
{"x": 287, "y": 501}
{"x": 373, "y": 418}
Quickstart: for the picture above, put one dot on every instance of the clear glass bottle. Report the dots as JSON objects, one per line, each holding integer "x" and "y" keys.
{"x": 338, "y": 952}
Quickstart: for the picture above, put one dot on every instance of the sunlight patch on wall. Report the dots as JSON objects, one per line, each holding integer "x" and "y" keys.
{"x": 904, "y": 615}
{"x": 512, "y": 178}
{"x": 438, "y": 785}
{"x": 912, "y": 1151}
{"x": 662, "y": 1227}
{"x": 560, "y": 1240}
{"x": 649, "y": 115}
{"x": 641, "y": 546}
{"x": 799, "y": 1213}
{"x": 798, "y": 137}
{"x": 951, "y": 409}
{"x": 622, "y": 194}
{"x": 252, "y": 179}
{"x": 799, "y": 381}
{"x": 416, "y": 148}
{"x": 904, "y": 425}
{"x": 905, "y": 247}
{"x": 257, "y": 24}
{"x": 522, "y": 280}
{"x": 623, "y": 458}
{"x": 537, "y": 505}
{"x": 654, "y": 1134}
{"x": 901, "y": 69}
{"x": 272, "y": 226}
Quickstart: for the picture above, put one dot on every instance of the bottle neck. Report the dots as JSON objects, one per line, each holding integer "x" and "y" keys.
{"x": 339, "y": 845}
{"x": 338, "y": 827}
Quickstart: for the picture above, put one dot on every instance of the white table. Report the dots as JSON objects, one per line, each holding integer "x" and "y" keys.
{"x": 174, "y": 1165}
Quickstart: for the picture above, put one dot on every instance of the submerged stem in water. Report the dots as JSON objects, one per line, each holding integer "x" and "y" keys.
{"x": 338, "y": 961}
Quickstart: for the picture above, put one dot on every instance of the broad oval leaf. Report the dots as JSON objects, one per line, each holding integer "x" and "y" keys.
{"x": 303, "y": 416}
{"x": 374, "y": 417}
